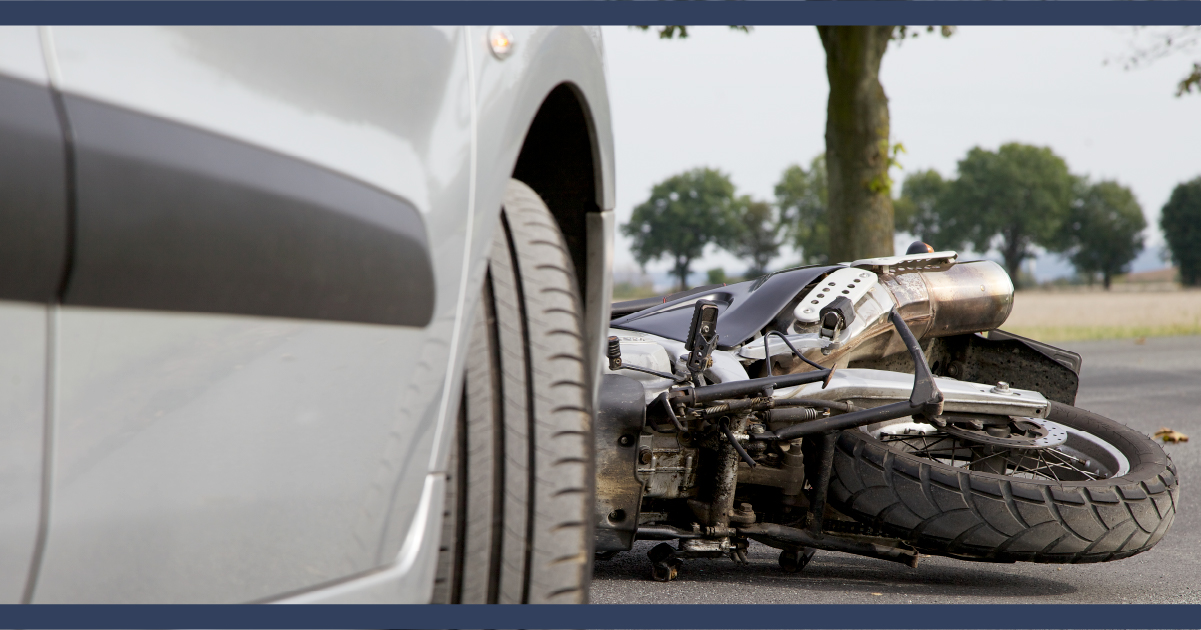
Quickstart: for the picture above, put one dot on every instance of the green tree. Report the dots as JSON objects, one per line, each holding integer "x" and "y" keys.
{"x": 1180, "y": 221}
{"x": 917, "y": 210}
{"x": 1190, "y": 81}
{"x": 802, "y": 199}
{"x": 683, "y": 215}
{"x": 858, "y": 148}
{"x": 1013, "y": 199}
{"x": 1104, "y": 230}
{"x": 758, "y": 235}
{"x": 1164, "y": 41}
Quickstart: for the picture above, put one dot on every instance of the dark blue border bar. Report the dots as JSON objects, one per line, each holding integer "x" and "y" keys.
{"x": 477, "y": 12}
{"x": 884, "y": 616}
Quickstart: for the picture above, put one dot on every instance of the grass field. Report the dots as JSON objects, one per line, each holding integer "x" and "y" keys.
{"x": 1072, "y": 316}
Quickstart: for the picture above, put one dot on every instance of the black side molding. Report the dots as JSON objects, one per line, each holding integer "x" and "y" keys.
{"x": 33, "y": 194}
{"x": 171, "y": 218}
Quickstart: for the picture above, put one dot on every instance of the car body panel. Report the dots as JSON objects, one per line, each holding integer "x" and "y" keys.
{"x": 216, "y": 445}
{"x": 21, "y": 54}
{"x": 225, "y": 457}
{"x": 32, "y": 253}
{"x": 208, "y": 458}
{"x": 23, "y": 368}
{"x": 509, "y": 94}
{"x": 409, "y": 578}
{"x": 344, "y": 98}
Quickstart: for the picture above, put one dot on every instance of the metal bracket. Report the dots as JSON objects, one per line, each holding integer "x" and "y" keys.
{"x": 934, "y": 261}
{"x": 850, "y": 283}
{"x": 702, "y": 335}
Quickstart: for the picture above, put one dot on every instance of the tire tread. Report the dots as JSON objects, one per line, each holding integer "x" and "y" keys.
{"x": 868, "y": 484}
{"x": 540, "y": 530}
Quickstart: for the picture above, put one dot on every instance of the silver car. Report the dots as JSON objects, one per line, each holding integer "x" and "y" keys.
{"x": 300, "y": 314}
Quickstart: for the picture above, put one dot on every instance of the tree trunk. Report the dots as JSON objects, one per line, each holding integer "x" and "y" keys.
{"x": 1105, "y": 278}
{"x": 857, "y": 141}
{"x": 1014, "y": 253}
{"x": 681, "y": 272}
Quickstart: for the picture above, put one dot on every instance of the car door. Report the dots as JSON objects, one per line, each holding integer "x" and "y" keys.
{"x": 33, "y": 232}
{"x": 253, "y": 346}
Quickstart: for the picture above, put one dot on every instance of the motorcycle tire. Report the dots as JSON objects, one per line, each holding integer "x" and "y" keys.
{"x": 953, "y": 511}
{"x": 516, "y": 526}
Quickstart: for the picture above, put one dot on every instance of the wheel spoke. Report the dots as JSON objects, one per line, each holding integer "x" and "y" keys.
{"x": 1018, "y": 465}
{"x": 988, "y": 457}
{"x": 1049, "y": 469}
{"x": 1080, "y": 466}
{"x": 1043, "y": 463}
{"x": 925, "y": 450}
{"x": 1050, "y": 474}
{"x": 1023, "y": 463}
{"x": 1070, "y": 464}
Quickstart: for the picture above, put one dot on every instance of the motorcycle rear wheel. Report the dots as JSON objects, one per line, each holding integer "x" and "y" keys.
{"x": 941, "y": 508}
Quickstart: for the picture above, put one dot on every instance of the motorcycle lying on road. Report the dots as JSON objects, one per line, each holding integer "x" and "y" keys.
{"x": 872, "y": 408}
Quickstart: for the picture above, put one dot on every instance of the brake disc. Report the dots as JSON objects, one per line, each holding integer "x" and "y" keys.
{"x": 1023, "y": 433}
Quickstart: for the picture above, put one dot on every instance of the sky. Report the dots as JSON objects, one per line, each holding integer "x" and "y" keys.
{"x": 753, "y": 104}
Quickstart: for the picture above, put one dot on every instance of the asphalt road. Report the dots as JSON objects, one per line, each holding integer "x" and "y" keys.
{"x": 1147, "y": 386}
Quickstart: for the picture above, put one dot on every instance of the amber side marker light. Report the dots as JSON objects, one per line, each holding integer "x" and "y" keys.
{"x": 500, "y": 41}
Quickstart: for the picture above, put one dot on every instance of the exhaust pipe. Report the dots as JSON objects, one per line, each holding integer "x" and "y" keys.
{"x": 963, "y": 298}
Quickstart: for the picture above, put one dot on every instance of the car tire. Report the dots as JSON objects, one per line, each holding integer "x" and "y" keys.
{"x": 517, "y": 526}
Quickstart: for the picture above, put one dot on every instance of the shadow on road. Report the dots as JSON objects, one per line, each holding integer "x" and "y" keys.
{"x": 835, "y": 572}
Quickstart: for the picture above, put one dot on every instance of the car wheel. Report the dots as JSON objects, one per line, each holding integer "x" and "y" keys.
{"x": 519, "y": 492}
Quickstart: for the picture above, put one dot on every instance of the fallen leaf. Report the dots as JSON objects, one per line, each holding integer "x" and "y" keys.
{"x": 1169, "y": 435}
{"x": 877, "y": 593}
